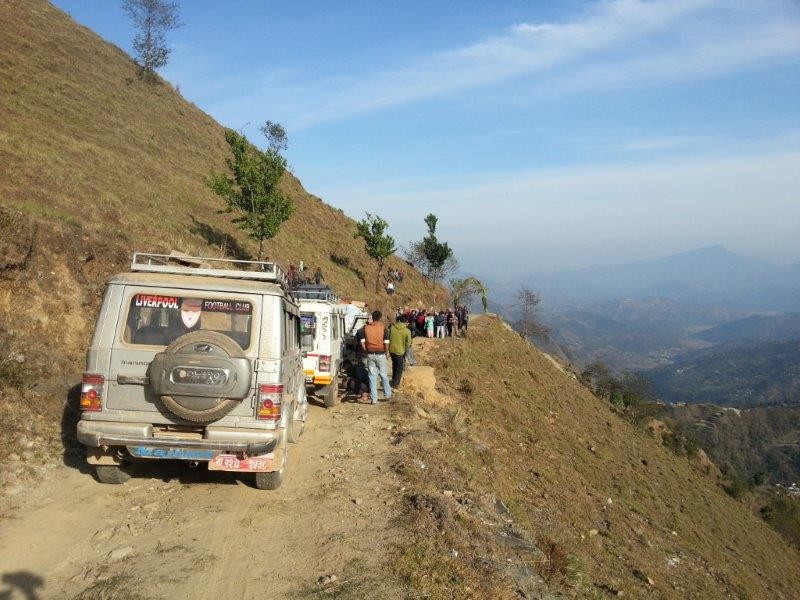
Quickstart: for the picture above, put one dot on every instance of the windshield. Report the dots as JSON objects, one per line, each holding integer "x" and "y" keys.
{"x": 308, "y": 330}
{"x": 159, "y": 320}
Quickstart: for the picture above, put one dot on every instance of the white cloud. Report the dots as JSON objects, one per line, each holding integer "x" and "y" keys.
{"x": 613, "y": 43}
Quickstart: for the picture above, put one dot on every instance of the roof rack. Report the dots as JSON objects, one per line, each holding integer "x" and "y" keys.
{"x": 182, "y": 264}
{"x": 315, "y": 292}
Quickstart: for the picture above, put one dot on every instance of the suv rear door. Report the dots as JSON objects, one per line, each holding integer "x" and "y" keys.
{"x": 154, "y": 317}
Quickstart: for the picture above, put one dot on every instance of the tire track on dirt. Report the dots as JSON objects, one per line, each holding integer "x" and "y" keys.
{"x": 173, "y": 532}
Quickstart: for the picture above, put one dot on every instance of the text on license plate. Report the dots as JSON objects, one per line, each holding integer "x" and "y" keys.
{"x": 171, "y": 453}
{"x": 229, "y": 462}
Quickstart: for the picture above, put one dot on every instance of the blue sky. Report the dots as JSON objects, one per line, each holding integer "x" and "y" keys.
{"x": 545, "y": 135}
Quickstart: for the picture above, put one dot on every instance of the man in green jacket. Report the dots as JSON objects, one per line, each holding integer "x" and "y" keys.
{"x": 399, "y": 343}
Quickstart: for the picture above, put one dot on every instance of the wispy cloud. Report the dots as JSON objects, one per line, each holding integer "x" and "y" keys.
{"x": 610, "y": 44}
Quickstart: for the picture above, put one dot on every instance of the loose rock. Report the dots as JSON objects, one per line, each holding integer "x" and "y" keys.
{"x": 121, "y": 553}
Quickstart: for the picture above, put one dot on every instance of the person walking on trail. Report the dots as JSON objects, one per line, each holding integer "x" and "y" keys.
{"x": 318, "y": 276}
{"x": 399, "y": 343}
{"x": 376, "y": 345}
{"x": 429, "y": 324}
{"x": 390, "y": 288}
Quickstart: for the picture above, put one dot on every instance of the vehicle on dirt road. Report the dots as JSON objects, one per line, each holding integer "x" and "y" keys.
{"x": 355, "y": 318}
{"x": 196, "y": 359}
{"x": 322, "y": 317}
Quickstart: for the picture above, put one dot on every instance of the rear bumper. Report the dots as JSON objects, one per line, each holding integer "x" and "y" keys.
{"x": 253, "y": 442}
{"x": 316, "y": 378}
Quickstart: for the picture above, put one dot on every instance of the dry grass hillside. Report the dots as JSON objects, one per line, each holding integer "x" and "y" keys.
{"x": 94, "y": 164}
{"x": 529, "y": 486}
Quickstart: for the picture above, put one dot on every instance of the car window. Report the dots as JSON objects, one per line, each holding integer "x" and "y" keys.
{"x": 308, "y": 330}
{"x": 156, "y": 320}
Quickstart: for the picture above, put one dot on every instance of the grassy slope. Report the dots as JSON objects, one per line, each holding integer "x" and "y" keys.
{"x": 599, "y": 497}
{"x": 101, "y": 164}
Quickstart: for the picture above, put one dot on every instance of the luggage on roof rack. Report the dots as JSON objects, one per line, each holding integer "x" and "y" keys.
{"x": 315, "y": 292}
{"x": 178, "y": 263}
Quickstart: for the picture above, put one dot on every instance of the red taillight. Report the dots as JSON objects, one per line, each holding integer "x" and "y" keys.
{"x": 92, "y": 392}
{"x": 324, "y": 363}
{"x": 269, "y": 402}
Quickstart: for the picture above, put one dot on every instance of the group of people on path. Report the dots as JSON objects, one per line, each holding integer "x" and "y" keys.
{"x": 441, "y": 324}
{"x": 374, "y": 342}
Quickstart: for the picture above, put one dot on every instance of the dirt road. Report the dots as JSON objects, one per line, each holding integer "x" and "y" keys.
{"x": 172, "y": 532}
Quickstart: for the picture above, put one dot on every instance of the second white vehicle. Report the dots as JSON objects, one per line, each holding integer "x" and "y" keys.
{"x": 322, "y": 318}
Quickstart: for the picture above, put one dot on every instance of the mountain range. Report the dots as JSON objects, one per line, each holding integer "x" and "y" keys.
{"x": 711, "y": 276}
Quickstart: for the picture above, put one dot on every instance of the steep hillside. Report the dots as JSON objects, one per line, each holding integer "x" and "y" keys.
{"x": 530, "y": 486}
{"x": 95, "y": 164}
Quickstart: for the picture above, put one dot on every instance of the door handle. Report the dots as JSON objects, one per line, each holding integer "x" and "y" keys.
{"x": 132, "y": 380}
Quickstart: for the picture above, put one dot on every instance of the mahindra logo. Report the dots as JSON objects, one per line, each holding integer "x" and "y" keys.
{"x": 199, "y": 375}
{"x": 202, "y": 348}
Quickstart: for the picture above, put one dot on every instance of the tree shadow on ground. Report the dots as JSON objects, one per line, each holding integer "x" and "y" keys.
{"x": 24, "y": 582}
{"x": 214, "y": 236}
{"x": 344, "y": 262}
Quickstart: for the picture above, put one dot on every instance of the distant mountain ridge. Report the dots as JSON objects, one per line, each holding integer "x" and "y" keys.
{"x": 741, "y": 374}
{"x": 711, "y": 275}
{"x": 762, "y": 328}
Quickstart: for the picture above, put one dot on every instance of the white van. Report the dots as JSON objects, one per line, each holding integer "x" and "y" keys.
{"x": 322, "y": 332}
{"x": 194, "y": 359}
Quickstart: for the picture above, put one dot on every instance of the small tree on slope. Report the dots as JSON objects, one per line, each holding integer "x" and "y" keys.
{"x": 152, "y": 18}
{"x": 436, "y": 252}
{"x": 463, "y": 290}
{"x": 378, "y": 244}
{"x": 253, "y": 193}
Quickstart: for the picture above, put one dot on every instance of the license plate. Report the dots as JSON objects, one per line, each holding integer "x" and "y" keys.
{"x": 229, "y": 462}
{"x": 171, "y": 453}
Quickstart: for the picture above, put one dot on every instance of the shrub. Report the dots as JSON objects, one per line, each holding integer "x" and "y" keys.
{"x": 556, "y": 567}
{"x": 11, "y": 373}
{"x": 737, "y": 487}
{"x": 466, "y": 387}
{"x": 783, "y": 514}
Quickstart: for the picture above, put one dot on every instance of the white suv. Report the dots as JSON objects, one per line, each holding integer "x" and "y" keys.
{"x": 322, "y": 317}
{"x": 195, "y": 359}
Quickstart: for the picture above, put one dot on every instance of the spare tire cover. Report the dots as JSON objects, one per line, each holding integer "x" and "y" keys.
{"x": 201, "y": 376}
